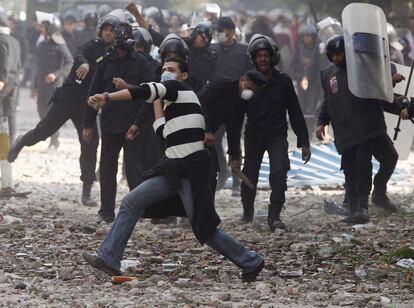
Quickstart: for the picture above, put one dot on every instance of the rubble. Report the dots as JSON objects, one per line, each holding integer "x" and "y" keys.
{"x": 318, "y": 262}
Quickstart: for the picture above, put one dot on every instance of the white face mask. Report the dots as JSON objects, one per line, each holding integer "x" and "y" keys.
{"x": 221, "y": 37}
{"x": 168, "y": 76}
{"x": 247, "y": 94}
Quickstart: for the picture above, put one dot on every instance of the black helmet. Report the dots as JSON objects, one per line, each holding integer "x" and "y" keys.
{"x": 142, "y": 37}
{"x": 91, "y": 19}
{"x": 123, "y": 36}
{"x": 259, "y": 42}
{"x": 335, "y": 44}
{"x": 173, "y": 43}
{"x": 106, "y": 20}
{"x": 204, "y": 29}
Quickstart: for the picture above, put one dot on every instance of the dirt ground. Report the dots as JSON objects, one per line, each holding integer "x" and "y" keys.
{"x": 317, "y": 262}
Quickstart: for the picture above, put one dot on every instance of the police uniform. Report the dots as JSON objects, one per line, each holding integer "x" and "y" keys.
{"x": 360, "y": 132}
{"x": 55, "y": 58}
{"x": 68, "y": 102}
{"x": 116, "y": 119}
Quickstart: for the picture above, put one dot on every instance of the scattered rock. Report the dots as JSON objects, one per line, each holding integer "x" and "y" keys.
{"x": 20, "y": 286}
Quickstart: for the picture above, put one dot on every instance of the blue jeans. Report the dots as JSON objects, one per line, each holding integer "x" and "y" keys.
{"x": 154, "y": 190}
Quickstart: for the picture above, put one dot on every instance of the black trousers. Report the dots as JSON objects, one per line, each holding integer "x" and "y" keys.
{"x": 58, "y": 113}
{"x": 277, "y": 149}
{"x": 386, "y": 154}
{"x": 357, "y": 166}
{"x": 140, "y": 155}
{"x": 44, "y": 93}
{"x": 383, "y": 150}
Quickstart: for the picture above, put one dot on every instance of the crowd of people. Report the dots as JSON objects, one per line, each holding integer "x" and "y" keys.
{"x": 167, "y": 93}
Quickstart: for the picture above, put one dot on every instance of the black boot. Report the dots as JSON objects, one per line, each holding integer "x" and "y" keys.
{"x": 15, "y": 149}
{"x": 347, "y": 200}
{"x": 381, "y": 199}
{"x": 353, "y": 204}
{"x": 86, "y": 195}
{"x": 361, "y": 214}
{"x": 248, "y": 214}
{"x": 273, "y": 217}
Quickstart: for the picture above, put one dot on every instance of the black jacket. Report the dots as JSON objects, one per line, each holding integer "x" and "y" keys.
{"x": 195, "y": 168}
{"x": 266, "y": 112}
{"x": 52, "y": 58}
{"x": 354, "y": 120}
{"x": 202, "y": 63}
{"x": 73, "y": 41}
{"x": 135, "y": 69}
{"x": 74, "y": 92}
{"x": 10, "y": 64}
{"x": 222, "y": 104}
{"x": 88, "y": 53}
{"x": 232, "y": 61}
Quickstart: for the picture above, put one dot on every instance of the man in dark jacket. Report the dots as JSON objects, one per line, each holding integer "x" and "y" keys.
{"x": 232, "y": 62}
{"x": 266, "y": 130}
{"x": 183, "y": 173}
{"x": 68, "y": 102}
{"x": 10, "y": 66}
{"x": 224, "y": 102}
{"x": 360, "y": 132}
{"x": 116, "y": 119}
{"x": 53, "y": 62}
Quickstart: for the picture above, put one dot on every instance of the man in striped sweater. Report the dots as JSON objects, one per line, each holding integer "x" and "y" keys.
{"x": 184, "y": 172}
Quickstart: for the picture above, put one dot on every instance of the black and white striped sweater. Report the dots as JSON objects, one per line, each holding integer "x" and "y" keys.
{"x": 183, "y": 125}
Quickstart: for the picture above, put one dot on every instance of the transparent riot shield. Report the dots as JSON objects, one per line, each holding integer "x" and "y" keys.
{"x": 367, "y": 51}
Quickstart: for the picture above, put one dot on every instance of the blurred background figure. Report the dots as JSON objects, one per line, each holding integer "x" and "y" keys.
{"x": 304, "y": 69}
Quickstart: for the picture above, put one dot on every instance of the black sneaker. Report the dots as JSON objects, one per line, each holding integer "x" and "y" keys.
{"x": 252, "y": 276}
{"x": 96, "y": 262}
{"x": 381, "y": 200}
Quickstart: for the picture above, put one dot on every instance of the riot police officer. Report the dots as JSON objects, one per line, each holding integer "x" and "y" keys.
{"x": 360, "y": 133}
{"x": 68, "y": 102}
{"x": 54, "y": 62}
{"x": 232, "y": 62}
{"x": 201, "y": 58}
{"x": 116, "y": 120}
{"x": 266, "y": 130}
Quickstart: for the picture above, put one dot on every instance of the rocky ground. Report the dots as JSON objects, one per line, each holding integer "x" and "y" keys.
{"x": 318, "y": 262}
